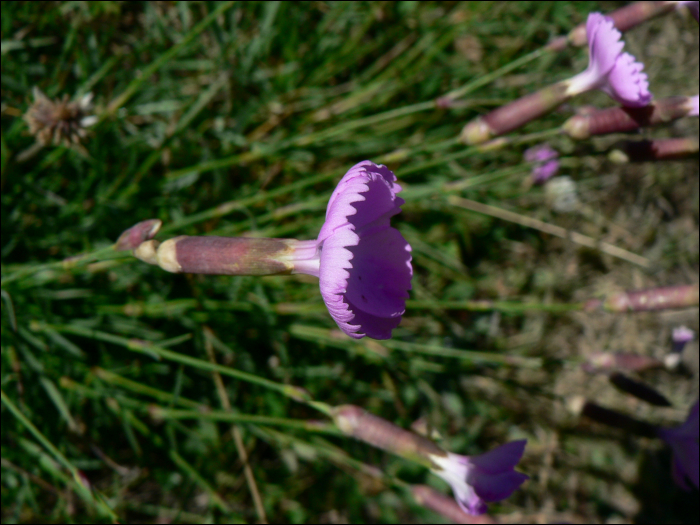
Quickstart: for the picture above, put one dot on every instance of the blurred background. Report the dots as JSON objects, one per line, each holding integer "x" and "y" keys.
{"x": 240, "y": 118}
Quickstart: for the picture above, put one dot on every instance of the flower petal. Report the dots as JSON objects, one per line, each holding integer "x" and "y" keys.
{"x": 468, "y": 501}
{"x": 365, "y": 264}
{"x": 367, "y": 193}
{"x": 627, "y": 83}
{"x": 381, "y": 273}
{"x": 495, "y": 487}
{"x": 500, "y": 459}
{"x": 604, "y": 43}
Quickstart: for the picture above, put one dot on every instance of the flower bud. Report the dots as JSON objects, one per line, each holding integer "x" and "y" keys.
{"x": 140, "y": 232}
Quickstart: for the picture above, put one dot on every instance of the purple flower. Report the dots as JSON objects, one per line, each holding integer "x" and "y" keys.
{"x": 683, "y": 441}
{"x": 364, "y": 264}
{"x": 693, "y": 106}
{"x": 545, "y": 163}
{"x": 609, "y": 69}
{"x": 692, "y": 7}
{"x": 476, "y": 480}
{"x": 680, "y": 336}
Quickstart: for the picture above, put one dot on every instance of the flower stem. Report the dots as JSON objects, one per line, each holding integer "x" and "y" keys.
{"x": 147, "y": 348}
{"x": 622, "y": 119}
{"x": 95, "y": 501}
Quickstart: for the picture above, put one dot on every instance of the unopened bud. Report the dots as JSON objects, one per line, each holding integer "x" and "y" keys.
{"x": 130, "y": 239}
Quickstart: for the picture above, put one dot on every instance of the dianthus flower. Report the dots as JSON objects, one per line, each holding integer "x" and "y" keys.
{"x": 545, "y": 163}
{"x": 487, "y": 477}
{"x": 475, "y": 480}
{"x": 363, "y": 264}
{"x": 683, "y": 441}
{"x": 609, "y": 69}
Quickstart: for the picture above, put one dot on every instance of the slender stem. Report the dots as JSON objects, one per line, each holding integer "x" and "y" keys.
{"x": 147, "y": 348}
{"x": 235, "y": 431}
{"x": 96, "y": 501}
{"x": 323, "y": 427}
{"x": 65, "y": 264}
{"x": 551, "y": 229}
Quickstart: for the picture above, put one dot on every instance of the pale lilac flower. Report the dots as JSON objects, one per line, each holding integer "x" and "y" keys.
{"x": 692, "y": 7}
{"x": 545, "y": 162}
{"x": 487, "y": 477}
{"x": 693, "y": 106}
{"x": 680, "y": 336}
{"x": 365, "y": 265}
{"x": 609, "y": 69}
{"x": 683, "y": 441}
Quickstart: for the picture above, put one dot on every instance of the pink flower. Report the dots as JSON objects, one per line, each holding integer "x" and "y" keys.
{"x": 476, "y": 480}
{"x": 364, "y": 265}
{"x": 545, "y": 162}
{"x": 609, "y": 69}
{"x": 693, "y": 106}
{"x": 683, "y": 441}
{"x": 692, "y": 7}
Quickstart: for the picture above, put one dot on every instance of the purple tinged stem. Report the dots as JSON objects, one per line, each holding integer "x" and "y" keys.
{"x": 515, "y": 114}
{"x": 655, "y": 150}
{"x": 623, "y": 119}
{"x": 138, "y": 233}
{"x": 651, "y": 299}
{"x": 380, "y": 433}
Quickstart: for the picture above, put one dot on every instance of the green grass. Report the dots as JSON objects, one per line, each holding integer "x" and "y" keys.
{"x": 129, "y": 393}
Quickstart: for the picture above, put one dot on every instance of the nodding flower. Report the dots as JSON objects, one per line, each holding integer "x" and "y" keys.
{"x": 609, "y": 69}
{"x": 362, "y": 262}
{"x": 475, "y": 480}
{"x": 683, "y": 441}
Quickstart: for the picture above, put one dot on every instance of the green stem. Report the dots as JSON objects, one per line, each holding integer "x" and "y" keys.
{"x": 231, "y": 417}
{"x": 96, "y": 501}
{"x": 65, "y": 264}
{"x": 147, "y": 348}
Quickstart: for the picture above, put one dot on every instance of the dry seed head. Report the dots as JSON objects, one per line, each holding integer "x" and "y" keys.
{"x": 59, "y": 121}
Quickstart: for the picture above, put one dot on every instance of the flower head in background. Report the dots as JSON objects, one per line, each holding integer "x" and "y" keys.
{"x": 692, "y": 7}
{"x": 693, "y": 106}
{"x": 545, "y": 162}
{"x": 680, "y": 336}
{"x": 683, "y": 441}
{"x": 365, "y": 265}
{"x": 476, "y": 480}
{"x": 59, "y": 121}
{"x": 609, "y": 69}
